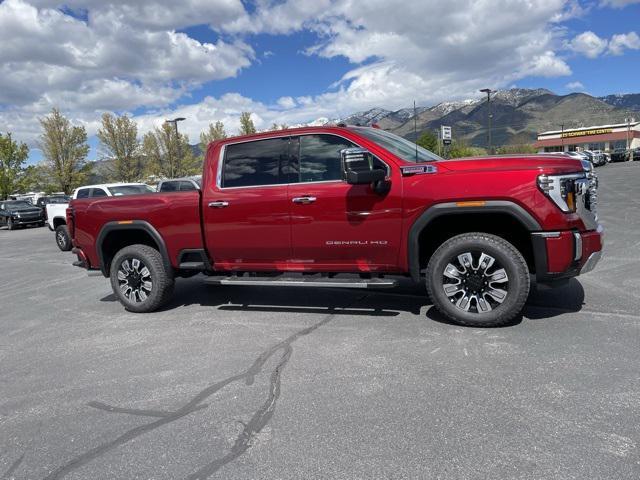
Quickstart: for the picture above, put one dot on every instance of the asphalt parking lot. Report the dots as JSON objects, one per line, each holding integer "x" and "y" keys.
{"x": 271, "y": 383}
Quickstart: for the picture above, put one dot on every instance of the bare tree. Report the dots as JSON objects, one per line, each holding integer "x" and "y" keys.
{"x": 64, "y": 147}
{"x": 119, "y": 144}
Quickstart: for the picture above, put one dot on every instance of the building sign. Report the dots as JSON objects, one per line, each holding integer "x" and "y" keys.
{"x": 582, "y": 133}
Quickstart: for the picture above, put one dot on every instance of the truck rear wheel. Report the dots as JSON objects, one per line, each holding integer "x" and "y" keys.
{"x": 477, "y": 279}
{"x": 139, "y": 279}
{"x": 62, "y": 238}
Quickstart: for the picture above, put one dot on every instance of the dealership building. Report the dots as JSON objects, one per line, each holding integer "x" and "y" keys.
{"x": 602, "y": 137}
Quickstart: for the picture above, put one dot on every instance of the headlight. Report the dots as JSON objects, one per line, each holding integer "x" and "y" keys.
{"x": 563, "y": 189}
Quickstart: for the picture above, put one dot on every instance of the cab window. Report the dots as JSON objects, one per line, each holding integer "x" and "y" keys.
{"x": 98, "y": 192}
{"x": 83, "y": 193}
{"x": 256, "y": 163}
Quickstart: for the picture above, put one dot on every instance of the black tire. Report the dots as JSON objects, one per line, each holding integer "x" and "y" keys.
{"x": 477, "y": 285}
{"x": 63, "y": 240}
{"x": 10, "y": 224}
{"x": 128, "y": 279}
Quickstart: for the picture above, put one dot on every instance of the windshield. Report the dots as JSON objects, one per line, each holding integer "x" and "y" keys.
{"x": 130, "y": 190}
{"x": 18, "y": 204}
{"x": 400, "y": 147}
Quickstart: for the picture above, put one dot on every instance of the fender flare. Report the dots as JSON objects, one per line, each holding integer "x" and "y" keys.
{"x": 140, "y": 225}
{"x": 451, "y": 208}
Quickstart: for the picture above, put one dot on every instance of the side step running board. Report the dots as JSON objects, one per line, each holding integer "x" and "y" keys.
{"x": 304, "y": 282}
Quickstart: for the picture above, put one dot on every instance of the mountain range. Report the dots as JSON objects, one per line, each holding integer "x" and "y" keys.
{"x": 518, "y": 114}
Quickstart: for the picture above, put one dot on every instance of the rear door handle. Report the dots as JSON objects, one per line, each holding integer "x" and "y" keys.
{"x": 218, "y": 204}
{"x": 304, "y": 200}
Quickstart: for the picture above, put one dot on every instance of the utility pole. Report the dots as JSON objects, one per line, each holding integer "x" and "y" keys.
{"x": 562, "y": 135}
{"x": 488, "y": 91}
{"x": 175, "y": 125}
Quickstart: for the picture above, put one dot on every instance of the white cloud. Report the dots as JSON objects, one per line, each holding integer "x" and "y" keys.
{"x": 128, "y": 55}
{"x": 49, "y": 58}
{"x": 574, "y": 86}
{"x": 623, "y": 41}
{"x": 592, "y": 46}
{"x": 618, "y": 3}
{"x": 588, "y": 44}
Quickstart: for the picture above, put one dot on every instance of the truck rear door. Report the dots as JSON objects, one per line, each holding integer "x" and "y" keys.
{"x": 246, "y": 208}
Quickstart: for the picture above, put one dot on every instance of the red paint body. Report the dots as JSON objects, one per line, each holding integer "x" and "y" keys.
{"x": 349, "y": 228}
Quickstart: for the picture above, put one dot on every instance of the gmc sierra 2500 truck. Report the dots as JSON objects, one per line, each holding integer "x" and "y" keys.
{"x": 302, "y": 207}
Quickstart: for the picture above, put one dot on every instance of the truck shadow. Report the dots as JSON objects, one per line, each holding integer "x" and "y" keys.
{"x": 408, "y": 297}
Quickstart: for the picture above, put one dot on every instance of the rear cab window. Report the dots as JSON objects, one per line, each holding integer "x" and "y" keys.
{"x": 83, "y": 193}
{"x": 256, "y": 163}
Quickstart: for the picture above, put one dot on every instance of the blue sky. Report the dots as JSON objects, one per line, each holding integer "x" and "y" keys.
{"x": 296, "y": 61}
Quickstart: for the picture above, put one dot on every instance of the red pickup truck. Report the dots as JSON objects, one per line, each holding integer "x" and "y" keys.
{"x": 351, "y": 207}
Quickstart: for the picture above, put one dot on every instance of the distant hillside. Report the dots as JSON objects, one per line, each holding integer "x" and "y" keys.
{"x": 518, "y": 115}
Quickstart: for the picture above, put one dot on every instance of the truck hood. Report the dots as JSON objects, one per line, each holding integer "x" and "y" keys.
{"x": 543, "y": 163}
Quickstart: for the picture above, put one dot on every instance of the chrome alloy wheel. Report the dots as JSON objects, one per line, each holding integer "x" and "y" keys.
{"x": 60, "y": 238}
{"x": 475, "y": 282}
{"x": 134, "y": 279}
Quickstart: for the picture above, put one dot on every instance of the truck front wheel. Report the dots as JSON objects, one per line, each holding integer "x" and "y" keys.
{"x": 139, "y": 279}
{"x": 479, "y": 280}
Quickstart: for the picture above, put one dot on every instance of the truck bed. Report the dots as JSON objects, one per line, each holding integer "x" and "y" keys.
{"x": 175, "y": 216}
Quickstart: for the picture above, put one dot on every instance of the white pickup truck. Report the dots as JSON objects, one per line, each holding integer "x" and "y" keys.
{"x": 57, "y": 212}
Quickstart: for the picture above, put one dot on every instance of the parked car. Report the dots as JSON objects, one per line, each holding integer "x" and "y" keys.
{"x": 185, "y": 184}
{"x": 303, "y": 207}
{"x": 14, "y": 213}
{"x": 634, "y": 154}
{"x": 56, "y": 213}
{"x": 596, "y": 159}
{"x": 42, "y": 202}
{"x": 601, "y": 157}
{"x": 619, "y": 155}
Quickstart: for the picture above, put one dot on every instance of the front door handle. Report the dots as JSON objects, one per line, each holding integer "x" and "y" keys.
{"x": 218, "y": 204}
{"x": 304, "y": 200}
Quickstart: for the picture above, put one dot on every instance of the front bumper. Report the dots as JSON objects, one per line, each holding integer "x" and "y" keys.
{"x": 564, "y": 254}
{"x": 26, "y": 221}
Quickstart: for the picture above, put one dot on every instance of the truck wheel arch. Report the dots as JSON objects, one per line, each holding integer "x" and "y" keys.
{"x": 448, "y": 209}
{"x": 112, "y": 238}
{"x": 57, "y": 221}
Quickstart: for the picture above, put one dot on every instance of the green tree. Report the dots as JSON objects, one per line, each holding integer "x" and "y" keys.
{"x": 35, "y": 178}
{"x": 214, "y": 132}
{"x": 517, "y": 148}
{"x": 429, "y": 141}
{"x": 168, "y": 155}
{"x": 274, "y": 126}
{"x": 246, "y": 124}
{"x": 12, "y": 156}
{"x": 120, "y": 145}
{"x": 459, "y": 149}
{"x": 64, "y": 147}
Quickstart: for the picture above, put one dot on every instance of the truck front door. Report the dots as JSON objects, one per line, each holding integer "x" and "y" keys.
{"x": 246, "y": 208}
{"x": 336, "y": 226}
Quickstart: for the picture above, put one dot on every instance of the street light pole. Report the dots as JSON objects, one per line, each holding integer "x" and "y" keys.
{"x": 488, "y": 91}
{"x": 175, "y": 125}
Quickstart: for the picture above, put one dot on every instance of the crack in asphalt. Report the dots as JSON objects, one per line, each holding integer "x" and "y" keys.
{"x": 244, "y": 440}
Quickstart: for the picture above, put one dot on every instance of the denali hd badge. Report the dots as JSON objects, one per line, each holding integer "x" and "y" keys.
{"x": 418, "y": 170}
